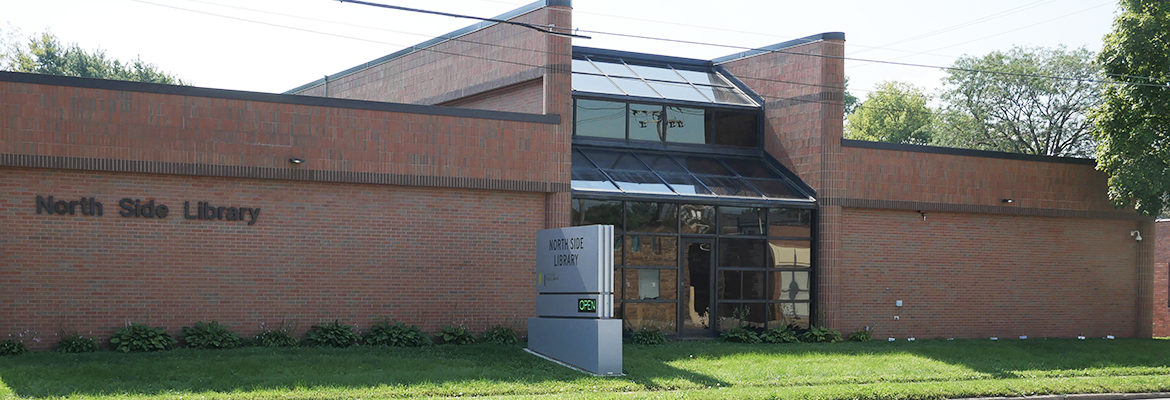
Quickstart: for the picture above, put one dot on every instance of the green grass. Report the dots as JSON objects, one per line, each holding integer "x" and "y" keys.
{"x": 704, "y": 369}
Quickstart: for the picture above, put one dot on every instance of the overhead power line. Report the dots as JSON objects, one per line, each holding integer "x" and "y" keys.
{"x": 540, "y": 28}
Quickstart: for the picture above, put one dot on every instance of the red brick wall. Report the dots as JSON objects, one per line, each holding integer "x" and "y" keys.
{"x": 1161, "y": 285}
{"x": 318, "y": 252}
{"x": 983, "y": 275}
{"x": 527, "y": 97}
{"x": 952, "y": 179}
{"x": 70, "y": 121}
{"x": 496, "y": 56}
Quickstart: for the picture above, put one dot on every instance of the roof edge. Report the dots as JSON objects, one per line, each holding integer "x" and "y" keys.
{"x": 954, "y": 151}
{"x": 642, "y": 57}
{"x": 781, "y": 45}
{"x": 433, "y": 41}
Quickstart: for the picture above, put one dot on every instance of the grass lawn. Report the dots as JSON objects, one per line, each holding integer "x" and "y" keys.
{"x": 702, "y": 369}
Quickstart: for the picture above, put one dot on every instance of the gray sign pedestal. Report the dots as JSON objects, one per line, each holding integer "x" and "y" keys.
{"x": 587, "y": 344}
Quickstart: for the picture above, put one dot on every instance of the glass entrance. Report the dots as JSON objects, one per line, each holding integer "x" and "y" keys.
{"x": 696, "y": 302}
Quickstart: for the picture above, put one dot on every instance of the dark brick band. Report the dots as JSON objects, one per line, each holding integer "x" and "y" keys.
{"x": 235, "y": 171}
{"x": 980, "y": 209}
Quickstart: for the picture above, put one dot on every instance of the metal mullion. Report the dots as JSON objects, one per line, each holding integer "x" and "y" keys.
{"x": 688, "y": 81}
{"x": 603, "y": 173}
{"x": 641, "y": 79}
{"x": 692, "y": 174}
{"x": 656, "y": 175}
{"x": 742, "y": 178}
{"x": 607, "y": 77}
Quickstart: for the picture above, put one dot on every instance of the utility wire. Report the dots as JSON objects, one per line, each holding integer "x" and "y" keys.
{"x": 539, "y": 28}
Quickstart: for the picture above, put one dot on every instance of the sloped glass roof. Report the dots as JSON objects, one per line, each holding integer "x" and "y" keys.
{"x": 613, "y": 170}
{"x": 664, "y": 82}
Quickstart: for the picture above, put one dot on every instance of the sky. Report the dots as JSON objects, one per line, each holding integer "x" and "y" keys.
{"x": 276, "y": 45}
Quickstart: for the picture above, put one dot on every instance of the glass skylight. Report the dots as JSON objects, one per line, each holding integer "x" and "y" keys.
{"x": 664, "y": 173}
{"x": 663, "y": 82}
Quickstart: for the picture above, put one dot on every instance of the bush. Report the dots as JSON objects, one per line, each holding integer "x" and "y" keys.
{"x": 140, "y": 337}
{"x": 784, "y": 334}
{"x": 499, "y": 334}
{"x": 454, "y": 335}
{"x": 739, "y": 335}
{"x": 210, "y": 336}
{"x": 860, "y": 336}
{"x": 396, "y": 334}
{"x": 648, "y": 336}
{"x": 281, "y": 336}
{"x": 820, "y": 334}
{"x": 333, "y": 334}
{"x": 9, "y": 347}
{"x": 75, "y": 343}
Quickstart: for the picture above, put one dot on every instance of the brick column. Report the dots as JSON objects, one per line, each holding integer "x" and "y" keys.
{"x": 558, "y": 99}
{"x": 1145, "y": 280}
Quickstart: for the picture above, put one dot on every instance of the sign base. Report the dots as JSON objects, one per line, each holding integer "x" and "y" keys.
{"x": 593, "y": 345}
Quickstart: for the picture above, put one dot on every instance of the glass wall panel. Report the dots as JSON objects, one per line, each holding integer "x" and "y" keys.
{"x": 728, "y": 285}
{"x": 615, "y": 160}
{"x": 697, "y": 218}
{"x": 651, "y": 251}
{"x": 663, "y": 316}
{"x": 741, "y": 285}
{"x": 733, "y": 128}
{"x": 792, "y": 222}
{"x": 790, "y": 253}
{"x": 600, "y": 118}
{"x": 729, "y": 186}
{"x": 747, "y": 315}
{"x": 678, "y": 91}
{"x": 776, "y": 189}
{"x": 651, "y": 217}
{"x": 742, "y": 220}
{"x": 751, "y": 168}
{"x": 595, "y": 84}
{"x": 656, "y": 73}
{"x": 781, "y": 314}
{"x": 597, "y": 212}
{"x": 661, "y": 163}
{"x": 685, "y": 125}
{"x": 645, "y": 182}
{"x": 741, "y": 253}
{"x": 686, "y": 184}
{"x": 646, "y": 122}
{"x": 614, "y": 69}
{"x": 590, "y": 179}
{"x": 651, "y": 284}
{"x": 789, "y": 285}
{"x": 704, "y": 166}
{"x": 635, "y": 87}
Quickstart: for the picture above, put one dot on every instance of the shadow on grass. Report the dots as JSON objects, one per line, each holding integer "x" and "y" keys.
{"x": 318, "y": 372}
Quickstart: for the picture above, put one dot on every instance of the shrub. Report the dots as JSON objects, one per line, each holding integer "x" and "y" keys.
{"x": 9, "y": 347}
{"x": 784, "y": 334}
{"x": 396, "y": 334}
{"x": 455, "y": 335}
{"x": 820, "y": 334}
{"x": 281, "y": 336}
{"x": 499, "y": 334}
{"x": 210, "y": 336}
{"x": 648, "y": 336}
{"x": 739, "y": 335}
{"x": 140, "y": 337}
{"x": 75, "y": 343}
{"x": 860, "y": 336}
{"x": 333, "y": 334}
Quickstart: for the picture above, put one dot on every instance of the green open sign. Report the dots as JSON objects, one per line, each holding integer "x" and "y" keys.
{"x": 586, "y": 305}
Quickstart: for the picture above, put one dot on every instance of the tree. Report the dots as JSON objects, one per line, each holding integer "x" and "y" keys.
{"x": 896, "y": 112}
{"x": 1132, "y": 123}
{"x": 45, "y": 54}
{"x": 850, "y": 99}
{"x": 1034, "y": 101}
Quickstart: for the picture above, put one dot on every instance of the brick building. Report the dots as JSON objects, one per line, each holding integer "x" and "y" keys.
{"x": 411, "y": 187}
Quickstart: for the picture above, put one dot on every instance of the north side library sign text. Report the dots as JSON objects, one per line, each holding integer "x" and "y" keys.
{"x": 136, "y": 208}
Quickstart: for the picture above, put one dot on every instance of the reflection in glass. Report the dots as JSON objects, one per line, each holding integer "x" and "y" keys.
{"x": 644, "y": 182}
{"x": 751, "y": 168}
{"x": 651, "y": 284}
{"x": 651, "y": 217}
{"x": 662, "y": 316}
{"x": 597, "y": 212}
{"x": 590, "y": 179}
{"x": 615, "y": 160}
{"x": 746, "y": 315}
{"x": 635, "y": 87}
{"x": 656, "y": 73}
{"x": 686, "y": 184}
{"x": 741, "y": 253}
{"x": 614, "y": 69}
{"x": 728, "y": 186}
{"x": 741, "y": 285}
{"x": 661, "y": 163}
{"x": 584, "y": 66}
{"x": 704, "y": 165}
{"x": 789, "y": 285}
{"x": 651, "y": 251}
{"x": 646, "y": 122}
{"x": 782, "y": 314}
{"x": 742, "y": 220}
{"x": 600, "y": 119}
{"x": 594, "y": 84}
{"x": 733, "y": 129}
{"x": 790, "y": 253}
{"x": 732, "y": 96}
{"x": 685, "y": 125}
{"x": 678, "y": 91}
{"x": 697, "y": 218}
{"x": 792, "y": 222}
{"x": 776, "y": 189}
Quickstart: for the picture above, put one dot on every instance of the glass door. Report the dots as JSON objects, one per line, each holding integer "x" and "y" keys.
{"x": 696, "y": 303}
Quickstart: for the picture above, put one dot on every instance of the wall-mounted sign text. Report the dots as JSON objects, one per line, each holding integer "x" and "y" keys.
{"x": 137, "y": 208}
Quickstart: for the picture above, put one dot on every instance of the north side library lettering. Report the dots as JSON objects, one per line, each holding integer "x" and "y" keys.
{"x": 137, "y": 208}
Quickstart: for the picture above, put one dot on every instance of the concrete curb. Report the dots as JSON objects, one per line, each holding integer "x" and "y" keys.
{"x": 1087, "y": 396}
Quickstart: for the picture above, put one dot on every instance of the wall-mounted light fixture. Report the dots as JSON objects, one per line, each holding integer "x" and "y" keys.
{"x": 1007, "y": 200}
{"x": 1137, "y": 234}
{"x": 296, "y": 161}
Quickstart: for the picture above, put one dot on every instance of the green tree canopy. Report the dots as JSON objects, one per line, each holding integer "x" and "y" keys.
{"x": 1020, "y": 108}
{"x": 45, "y": 54}
{"x": 1132, "y": 123}
{"x": 896, "y": 112}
